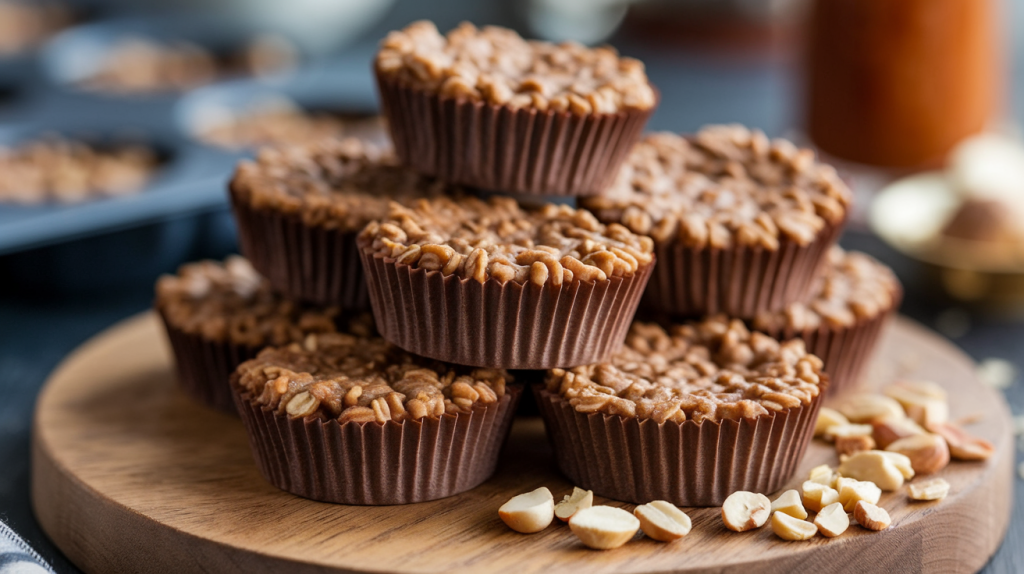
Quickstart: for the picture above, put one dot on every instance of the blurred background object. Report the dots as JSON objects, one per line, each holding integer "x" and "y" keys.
{"x": 320, "y": 26}
{"x": 965, "y": 222}
{"x": 24, "y": 24}
{"x": 900, "y": 83}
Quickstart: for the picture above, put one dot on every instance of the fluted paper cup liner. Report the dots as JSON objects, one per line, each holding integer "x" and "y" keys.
{"x": 378, "y": 464}
{"x": 739, "y": 282}
{"x": 204, "y": 366}
{"x": 845, "y": 351}
{"x": 500, "y": 148}
{"x": 303, "y": 262}
{"x": 501, "y": 325}
{"x": 687, "y": 464}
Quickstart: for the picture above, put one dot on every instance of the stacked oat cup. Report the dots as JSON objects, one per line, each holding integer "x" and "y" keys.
{"x": 462, "y": 243}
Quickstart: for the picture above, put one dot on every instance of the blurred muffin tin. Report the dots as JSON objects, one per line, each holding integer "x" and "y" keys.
{"x": 40, "y": 94}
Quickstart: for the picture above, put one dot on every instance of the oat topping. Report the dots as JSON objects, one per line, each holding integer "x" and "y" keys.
{"x": 230, "y": 302}
{"x": 363, "y": 379}
{"x": 497, "y": 238}
{"x": 497, "y": 66}
{"x": 713, "y": 370}
{"x": 725, "y": 185}
{"x": 853, "y": 287}
{"x": 335, "y": 183}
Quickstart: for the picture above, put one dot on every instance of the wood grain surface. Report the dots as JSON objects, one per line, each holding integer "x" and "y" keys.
{"x": 129, "y": 475}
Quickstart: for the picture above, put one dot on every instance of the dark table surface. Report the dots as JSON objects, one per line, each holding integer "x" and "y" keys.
{"x": 39, "y": 326}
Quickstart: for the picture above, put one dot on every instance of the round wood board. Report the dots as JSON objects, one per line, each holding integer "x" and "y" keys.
{"x": 129, "y": 475}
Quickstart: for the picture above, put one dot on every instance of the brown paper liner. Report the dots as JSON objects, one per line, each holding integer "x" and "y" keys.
{"x": 844, "y": 350}
{"x": 499, "y": 148}
{"x": 687, "y": 464}
{"x": 739, "y": 281}
{"x": 204, "y": 366}
{"x": 378, "y": 464}
{"x": 303, "y": 262}
{"x": 501, "y": 325}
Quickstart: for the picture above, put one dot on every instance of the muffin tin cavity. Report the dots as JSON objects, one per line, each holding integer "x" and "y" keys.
{"x": 245, "y": 115}
{"x": 142, "y": 57}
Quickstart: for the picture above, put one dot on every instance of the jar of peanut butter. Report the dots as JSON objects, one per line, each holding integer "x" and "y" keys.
{"x": 898, "y": 83}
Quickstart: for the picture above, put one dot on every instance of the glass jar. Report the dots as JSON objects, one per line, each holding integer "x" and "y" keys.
{"x": 898, "y": 83}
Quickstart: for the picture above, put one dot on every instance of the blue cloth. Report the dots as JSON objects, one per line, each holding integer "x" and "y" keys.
{"x": 17, "y": 557}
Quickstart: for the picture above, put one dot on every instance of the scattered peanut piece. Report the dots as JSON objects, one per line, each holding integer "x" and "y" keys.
{"x": 851, "y": 444}
{"x": 963, "y": 446}
{"x": 871, "y": 516}
{"x": 789, "y": 503}
{"x": 817, "y": 496}
{"x": 572, "y": 503}
{"x": 662, "y": 521}
{"x": 744, "y": 511}
{"x": 924, "y": 402}
{"x": 604, "y": 527}
{"x": 529, "y": 512}
{"x": 873, "y": 466}
{"x": 828, "y": 418}
{"x": 868, "y": 407}
{"x": 933, "y": 489}
{"x": 888, "y": 431}
{"x": 848, "y": 430}
{"x": 787, "y": 527}
{"x": 918, "y": 388}
{"x": 823, "y": 474}
{"x": 928, "y": 453}
{"x": 852, "y": 491}
{"x": 832, "y": 520}
{"x": 901, "y": 462}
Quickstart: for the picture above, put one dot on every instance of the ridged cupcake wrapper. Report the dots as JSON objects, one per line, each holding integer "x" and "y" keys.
{"x": 378, "y": 464}
{"x": 204, "y": 366}
{"x": 500, "y": 148}
{"x": 501, "y": 325}
{"x": 845, "y": 351}
{"x": 688, "y": 464}
{"x": 303, "y": 262}
{"x": 739, "y": 282}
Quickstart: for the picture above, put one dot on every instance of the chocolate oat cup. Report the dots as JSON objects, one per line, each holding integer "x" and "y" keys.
{"x": 503, "y": 305}
{"x": 300, "y": 208}
{"x": 219, "y": 315}
{"x": 307, "y": 262}
{"x": 851, "y": 302}
{"x": 739, "y": 281}
{"x": 370, "y": 457}
{"x": 530, "y": 130}
{"x": 204, "y": 366}
{"x": 691, "y": 448}
{"x": 741, "y": 224}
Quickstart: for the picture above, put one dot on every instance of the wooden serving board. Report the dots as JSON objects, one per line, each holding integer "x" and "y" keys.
{"x": 129, "y": 475}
